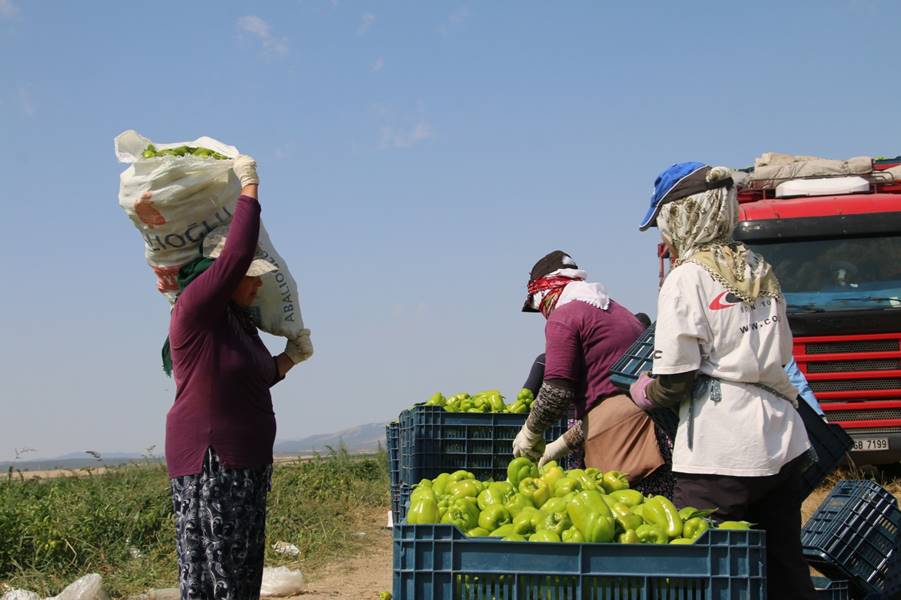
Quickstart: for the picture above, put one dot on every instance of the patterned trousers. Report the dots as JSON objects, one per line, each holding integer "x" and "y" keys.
{"x": 220, "y": 523}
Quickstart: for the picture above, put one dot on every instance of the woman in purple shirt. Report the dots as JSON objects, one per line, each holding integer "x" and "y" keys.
{"x": 220, "y": 430}
{"x": 586, "y": 333}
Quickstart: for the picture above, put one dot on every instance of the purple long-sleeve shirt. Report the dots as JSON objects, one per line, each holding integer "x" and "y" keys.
{"x": 222, "y": 371}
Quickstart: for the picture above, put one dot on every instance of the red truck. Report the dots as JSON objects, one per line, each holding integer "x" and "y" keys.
{"x": 838, "y": 259}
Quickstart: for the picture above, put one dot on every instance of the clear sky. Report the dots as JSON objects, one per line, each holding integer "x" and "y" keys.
{"x": 416, "y": 159}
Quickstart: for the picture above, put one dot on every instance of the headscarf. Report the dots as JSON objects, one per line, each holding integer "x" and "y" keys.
{"x": 699, "y": 228}
{"x": 186, "y": 274}
{"x": 565, "y": 285}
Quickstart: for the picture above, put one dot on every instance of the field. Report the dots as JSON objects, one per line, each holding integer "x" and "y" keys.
{"x": 119, "y": 523}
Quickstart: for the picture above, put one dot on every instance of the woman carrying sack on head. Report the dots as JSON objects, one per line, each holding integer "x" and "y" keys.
{"x": 220, "y": 430}
{"x": 721, "y": 341}
{"x": 586, "y": 333}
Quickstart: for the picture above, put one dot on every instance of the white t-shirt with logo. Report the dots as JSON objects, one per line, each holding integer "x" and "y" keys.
{"x": 702, "y": 327}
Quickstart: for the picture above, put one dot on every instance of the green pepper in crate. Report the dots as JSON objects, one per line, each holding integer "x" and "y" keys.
{"x": 551, "y": 473}
{"x": 519, "y": 469}
{"x": 627, "y": 497}
{"x": 567, "y": 485}
{"x": 503, "y": 530}
{"x": 614, "y": 481}
{"x": 465, "y": 488}
{"x": 478, "y": 532}
{"x": 652, "y": 534}
{"x": 514, "y": 537}
{"x": 572, "y": 536}
{"x": 682, "y": 541}
{"x": 423, "y": 510}
{"x": 496, "y": 492}
{"x": 695, "y": 527}
{"x": 544, "y": 536}
{"x": 592, "y": 517}
{"x": 671, "y": 521}
{"x": 628, "y": 537}
{"x": 522, "y": 521}
{"x": 517, "y": 503}
{"x": 558, "y": 522}
{"x": 494, "y": 516}
{"x": 735, "y": 525}
{"x": 534, "y": 489}
{"x": 462, "y": 512}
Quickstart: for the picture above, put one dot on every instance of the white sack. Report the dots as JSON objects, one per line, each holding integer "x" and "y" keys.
{"x": 174, "y": 201}
{"x": 281, "y": 581}
{"x": 89, "y": 587}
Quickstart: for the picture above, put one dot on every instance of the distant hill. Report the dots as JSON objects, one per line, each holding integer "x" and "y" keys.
{"x": 363, "y": 438}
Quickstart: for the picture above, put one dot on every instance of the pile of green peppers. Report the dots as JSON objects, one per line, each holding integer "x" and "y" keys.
{"x": 151, "y": 152}
{"x": 553, "y": 505}
{"x": 488, "y": 401}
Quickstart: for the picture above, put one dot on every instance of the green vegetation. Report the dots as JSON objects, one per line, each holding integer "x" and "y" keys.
{"x": 120, "y": 523}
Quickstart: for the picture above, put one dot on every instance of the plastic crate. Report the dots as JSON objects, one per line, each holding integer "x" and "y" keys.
{"x": 400, "y": 495}
{"x": 437, "y": 562}
{"x": 853, "y": 534}
{"x": 831, "y": 590}
{"x": 830, "y": 441}
{"x": 434, "y": 441}
{"x": 392, "y": 439}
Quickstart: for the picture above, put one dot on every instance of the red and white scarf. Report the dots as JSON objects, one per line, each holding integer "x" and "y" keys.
{"x": 565, "y": 285}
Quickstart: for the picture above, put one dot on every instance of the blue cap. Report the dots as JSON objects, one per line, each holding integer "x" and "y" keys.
{"x": 678, "y": 181}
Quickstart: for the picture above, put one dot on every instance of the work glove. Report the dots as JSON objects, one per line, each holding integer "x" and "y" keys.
{"x": 245, "y": 168}
{"x": 299, "y": 348}
{"x": 556, "y": 450}
{"x": 528, "y": 443}
{"x": 639, "y": 392}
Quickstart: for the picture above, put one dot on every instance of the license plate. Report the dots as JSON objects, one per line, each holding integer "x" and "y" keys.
{"x": 870, "y": 444}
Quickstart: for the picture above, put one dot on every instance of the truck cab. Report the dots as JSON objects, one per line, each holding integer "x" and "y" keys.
{"x": 838, "y": 260}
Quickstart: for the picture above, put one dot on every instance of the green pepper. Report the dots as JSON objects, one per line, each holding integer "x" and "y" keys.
{"x": 503, "y": 530}
{"x": 494, "y": 516}
{"x": 572, "y": 536}
{"x": 591, "y": 516}
{"x": 466, "y": 405}
{"x": 557, "y": 522}
{"x": 464, "y": 488}
{"x": 452, "y": 405}
{"x": 687, "y": 512}
{"x": 695, "y": 527}
{"x": 672, "y": 521}
{"x": 519, "y": 469}
{"x": 461, "y": 475}
{"x": 652, "y": 534}
{"x": 627, "y": 497}
{"x": 526, "y": 395}
{"x": 423, "y": 510}
{"x": 514, "y": 537}
{"x": 439, "y": 484}
{"x": 496, "y": 492}
{"x": 494, "y": 399}
{"x": 652, "y": 513}
{"x": 555, "y": 504}
{"x": 518, "y": 408}
{"x": 628, "y": 537}
{"x": 614, "y": 481}
{"x": 437, "y": 400}
{"x": 629, "y": 521}
{"x": 535, "y": 489}
{"x": 682, "y": 541}
{"x": 478, "y": 532}
{"x": 517, "y": 503}
{"x": 735, "y": 525}
{"x": 638, "y": 509}
{"x": 551, "y": 473}
{"x": 462, "y": 512}
{"x": 421, "y": 490}
{"x": 522, "y": 521}
{"x": 544, "y": 536}
{"x": 567, "y": 485}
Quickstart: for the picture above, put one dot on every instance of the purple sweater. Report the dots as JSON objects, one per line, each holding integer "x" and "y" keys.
{"x": 222, "y": 372}
{"x": 583, "y": 342}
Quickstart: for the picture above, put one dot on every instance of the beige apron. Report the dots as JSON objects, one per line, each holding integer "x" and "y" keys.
{"x": 619, "y": 436}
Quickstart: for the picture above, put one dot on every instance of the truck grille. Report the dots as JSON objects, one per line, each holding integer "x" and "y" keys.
{"x": 850, "y": 385}
{"x": 847, "y": 366}
{"x": 852, "y": 346}
{"x": 864, "y": 415}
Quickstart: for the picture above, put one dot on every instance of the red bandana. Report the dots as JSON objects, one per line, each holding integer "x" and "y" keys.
{"x": 554, "y": 285}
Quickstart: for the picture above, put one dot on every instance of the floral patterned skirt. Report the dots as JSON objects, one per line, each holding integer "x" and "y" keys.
{"x": 220, "y": 522}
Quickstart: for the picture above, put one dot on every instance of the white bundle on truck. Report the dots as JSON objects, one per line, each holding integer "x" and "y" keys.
{"x": 175, "y": 201}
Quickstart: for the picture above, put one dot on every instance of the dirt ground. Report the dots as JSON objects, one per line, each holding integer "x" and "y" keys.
{"x": 361, "y": 577}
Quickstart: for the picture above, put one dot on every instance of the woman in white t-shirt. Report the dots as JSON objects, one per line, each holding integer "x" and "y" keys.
{"x": 722, "y": 339}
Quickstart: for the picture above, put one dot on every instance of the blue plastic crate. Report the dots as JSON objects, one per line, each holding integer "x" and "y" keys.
{"x": 392, "y": 439}
{"x": 400, "y": 496}
{"x": 437, "y": 562}
{"x": 853, "y": 535}
{"x": 434, "y": 441}
{"x": 830, "y": 441}
{"x": 831, "y": 590}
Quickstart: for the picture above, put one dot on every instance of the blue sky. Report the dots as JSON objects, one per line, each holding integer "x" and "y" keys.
{"x": 416, "y": 159}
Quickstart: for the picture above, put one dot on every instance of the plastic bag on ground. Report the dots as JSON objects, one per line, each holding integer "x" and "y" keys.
{"x": 281, "y": 581}
{"x": 17, "y": 594}
{"x": 174, "y": 201}
{"x": 89, "y": 587}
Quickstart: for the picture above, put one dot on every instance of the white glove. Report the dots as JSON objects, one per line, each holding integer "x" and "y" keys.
{"x": 528, "y": 444}
{"x": 555, "y": 451}
{"x": 245, "y": 168}
{"x": 300, "y": 348}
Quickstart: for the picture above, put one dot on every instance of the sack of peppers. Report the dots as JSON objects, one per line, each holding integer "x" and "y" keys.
{"x": 553, "y": 505}
{"x": 489, "y": 401}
